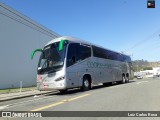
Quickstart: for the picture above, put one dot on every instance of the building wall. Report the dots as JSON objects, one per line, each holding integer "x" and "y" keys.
{"x": 19, "y": 36}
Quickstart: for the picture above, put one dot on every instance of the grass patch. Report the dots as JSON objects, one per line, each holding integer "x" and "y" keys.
{"x": 16, "y": 89}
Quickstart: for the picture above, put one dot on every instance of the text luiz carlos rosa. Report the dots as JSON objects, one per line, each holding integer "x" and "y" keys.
{"x": 136, "y": 114}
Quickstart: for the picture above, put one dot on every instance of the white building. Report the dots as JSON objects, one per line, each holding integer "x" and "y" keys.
{"x": 156, "y": 70}
{"x": 149, "y": 73}
{"x": 19, "y": 36}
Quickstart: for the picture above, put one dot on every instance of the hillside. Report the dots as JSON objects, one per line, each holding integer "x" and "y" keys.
{"x": 144, "y": 65}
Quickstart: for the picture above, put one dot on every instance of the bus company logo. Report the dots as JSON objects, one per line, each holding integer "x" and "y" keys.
{"x": 98, "y": 65}
{"x": 6, "y": 114}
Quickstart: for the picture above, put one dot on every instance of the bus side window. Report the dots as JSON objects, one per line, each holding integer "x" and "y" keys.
{"x": 72, "y": 56}
{"x": 85, "y": 52}
{"x": 73, "y": 59}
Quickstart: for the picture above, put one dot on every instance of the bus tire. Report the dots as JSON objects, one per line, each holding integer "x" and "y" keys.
{"x": 127, "y": 79}
{"x": 123, "y": 80}
{"x": 86, "y": 85}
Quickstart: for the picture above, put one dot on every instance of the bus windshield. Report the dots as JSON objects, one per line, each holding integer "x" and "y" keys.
{"x": 51, "y": 58}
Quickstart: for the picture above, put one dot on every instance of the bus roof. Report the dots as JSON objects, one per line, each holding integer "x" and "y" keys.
{"x": 71, "y": 39}
{"x": 77, "y": 40}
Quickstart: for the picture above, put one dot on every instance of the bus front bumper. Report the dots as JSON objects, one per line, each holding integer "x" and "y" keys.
{"x": 50, "y": 86}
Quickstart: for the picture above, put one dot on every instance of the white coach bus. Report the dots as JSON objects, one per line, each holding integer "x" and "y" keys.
{"x": 68, "y": 62}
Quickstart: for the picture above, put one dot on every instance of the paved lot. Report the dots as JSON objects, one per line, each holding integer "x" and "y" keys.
{"x": 138, "y": 95}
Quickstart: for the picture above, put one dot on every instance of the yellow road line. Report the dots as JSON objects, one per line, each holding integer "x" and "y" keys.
{"x": 58, "y": 103}
{"x": 48, "y": 106}
{"x": 78, "y": 97}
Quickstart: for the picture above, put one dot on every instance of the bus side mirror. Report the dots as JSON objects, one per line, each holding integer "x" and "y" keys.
{"x": 61, "y": 45}
{"x": 33, "y": 52}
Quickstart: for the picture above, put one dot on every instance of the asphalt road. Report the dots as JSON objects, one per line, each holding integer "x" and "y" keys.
{"x": 138, "y": 95}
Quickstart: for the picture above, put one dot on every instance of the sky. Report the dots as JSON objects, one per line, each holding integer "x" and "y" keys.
{"x": 126, "y": 26}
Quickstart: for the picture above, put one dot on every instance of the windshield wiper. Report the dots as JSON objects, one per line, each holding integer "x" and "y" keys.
{"x": 51, "y": 71}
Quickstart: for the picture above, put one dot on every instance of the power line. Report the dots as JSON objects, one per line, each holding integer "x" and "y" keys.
{"x": 143, "y": 41}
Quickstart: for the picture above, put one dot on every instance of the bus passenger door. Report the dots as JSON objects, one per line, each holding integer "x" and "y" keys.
{"x": 73, "y": 66}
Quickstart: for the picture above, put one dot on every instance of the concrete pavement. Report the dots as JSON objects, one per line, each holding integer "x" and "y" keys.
{"x": 138, "y": 95}
{"x": 23, "y": 94}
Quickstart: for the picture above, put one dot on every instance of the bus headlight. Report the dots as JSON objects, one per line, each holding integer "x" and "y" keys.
{"x": 60, "y": 78}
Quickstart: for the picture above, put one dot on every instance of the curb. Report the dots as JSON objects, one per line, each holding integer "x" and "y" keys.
{"x": 29, "y": 95}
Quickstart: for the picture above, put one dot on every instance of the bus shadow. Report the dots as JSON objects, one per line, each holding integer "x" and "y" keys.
{"x": 110, "y": 85}
{"x": 69, "y": 92}
{"x": 78, "y": 90}
{"x": 132, "y": 81}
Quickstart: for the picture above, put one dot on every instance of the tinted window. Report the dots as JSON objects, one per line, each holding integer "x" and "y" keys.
{"x": 120, "y": 57}
{"x": 107, "y": 54}
{"x": 51, "y": 58}
{"x": 85, "y": 52}
{"x": 99, "y": 52}
{"x": 72, "y": 56}
{"x": 127, "y": 59}
{"x": 77, "y": 52}
{"x": 112, "y": 55}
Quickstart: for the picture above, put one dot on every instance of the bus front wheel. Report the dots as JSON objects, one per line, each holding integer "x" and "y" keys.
{"x": 86, "y": 84}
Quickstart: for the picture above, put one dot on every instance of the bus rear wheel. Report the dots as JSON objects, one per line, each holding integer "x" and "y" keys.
{"x": 127, "y": 79}
{"x": 86, "y": 84}
{"x": 123, "y": 80}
